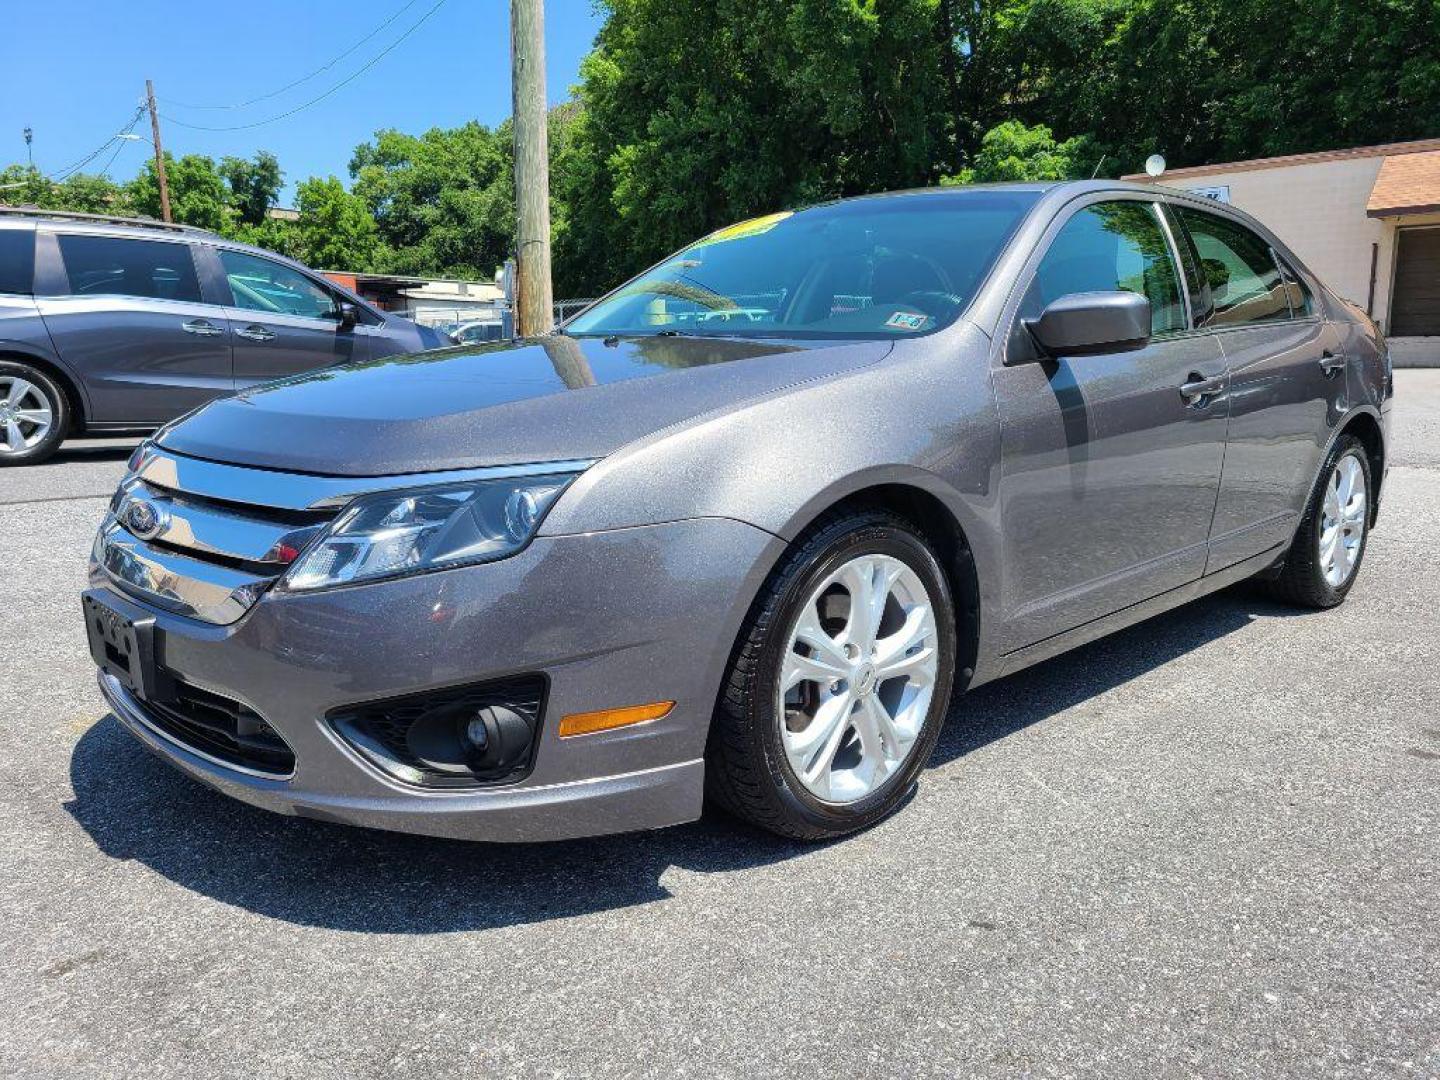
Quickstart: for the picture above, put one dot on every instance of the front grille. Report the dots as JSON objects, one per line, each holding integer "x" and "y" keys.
{"x": 222, "y": 728}
{"x": 379, "y": 729}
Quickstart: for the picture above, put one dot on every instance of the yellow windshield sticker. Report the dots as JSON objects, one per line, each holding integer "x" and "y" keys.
{"x": 752, "y": 227}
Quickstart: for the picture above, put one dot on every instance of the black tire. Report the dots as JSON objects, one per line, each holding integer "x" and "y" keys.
{"x": 59, "y": 406}
{"x": 747, "y": 772}
{"x": 1301, "y": 580}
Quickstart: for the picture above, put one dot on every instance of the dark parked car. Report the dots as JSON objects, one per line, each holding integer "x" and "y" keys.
{"x": 565, "y": 586}
{"x": 113, "y": 325}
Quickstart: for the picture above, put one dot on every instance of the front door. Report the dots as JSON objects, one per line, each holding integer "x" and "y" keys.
{"x": 128, "y": 315}
{"x": 1109, "y": 463}
{"x": 1288, "y": 383}
{"x": 283, "y": 322}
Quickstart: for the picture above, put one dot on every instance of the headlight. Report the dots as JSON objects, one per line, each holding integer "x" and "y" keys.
{"x": 406, "y": 532}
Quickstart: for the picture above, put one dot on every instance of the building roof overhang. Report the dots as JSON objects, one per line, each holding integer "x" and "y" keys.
{"x": 1407, "y": 184}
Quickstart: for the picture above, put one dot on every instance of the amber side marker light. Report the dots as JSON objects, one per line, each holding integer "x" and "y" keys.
{"x": 587, "y": 723}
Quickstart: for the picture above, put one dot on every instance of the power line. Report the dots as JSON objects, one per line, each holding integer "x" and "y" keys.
{"x": 120, "y": 141}
{"x": 304, "y": 78}
{"x": 316, "y": 100}
{"x": 69, "y": 170}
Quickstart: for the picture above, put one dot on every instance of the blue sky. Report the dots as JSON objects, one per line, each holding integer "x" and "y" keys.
{"x": 74, "y": 71}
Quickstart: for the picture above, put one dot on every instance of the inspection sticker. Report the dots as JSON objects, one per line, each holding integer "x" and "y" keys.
{"x": 907, "y": 320}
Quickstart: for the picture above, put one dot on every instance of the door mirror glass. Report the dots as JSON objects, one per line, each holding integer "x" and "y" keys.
{"x": 1092, "y": 322}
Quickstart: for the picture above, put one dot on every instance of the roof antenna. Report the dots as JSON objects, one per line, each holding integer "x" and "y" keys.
{"x": 1097, "y": 167}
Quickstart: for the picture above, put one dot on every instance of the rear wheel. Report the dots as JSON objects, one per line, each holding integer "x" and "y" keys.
{"x": 34, "y": 414}
{"x": 1325, "y": 557}
{"x": 839, "y": 684}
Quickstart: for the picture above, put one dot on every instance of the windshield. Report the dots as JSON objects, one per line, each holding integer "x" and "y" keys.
{"x": 885, "y": 267}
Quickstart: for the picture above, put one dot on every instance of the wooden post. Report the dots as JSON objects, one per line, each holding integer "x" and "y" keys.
{"x": 534, "y": 301}
{"x": 159, "y": 154}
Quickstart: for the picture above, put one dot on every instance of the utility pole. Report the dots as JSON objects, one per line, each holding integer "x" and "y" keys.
{"x": 534, "y": 302}
{"x": 159, "y": 154}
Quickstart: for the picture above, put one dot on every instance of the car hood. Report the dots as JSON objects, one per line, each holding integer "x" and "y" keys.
{"x": 551, "y": 399}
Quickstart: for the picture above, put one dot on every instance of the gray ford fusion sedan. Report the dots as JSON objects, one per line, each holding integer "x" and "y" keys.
{"x": 745, "y": 527}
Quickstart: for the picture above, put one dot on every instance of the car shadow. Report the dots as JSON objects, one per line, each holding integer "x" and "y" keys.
{"x": 78, "y": 450}
{"x": 321, "y": 874}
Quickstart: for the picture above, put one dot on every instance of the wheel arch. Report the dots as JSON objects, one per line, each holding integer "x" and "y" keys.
{"x": 1365, "y": 426}
{"x": 940, "y": 525}
{"x": 63, "y": 378}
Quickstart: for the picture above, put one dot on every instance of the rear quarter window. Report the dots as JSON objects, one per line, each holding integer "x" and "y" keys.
{"x": 117, "y": 266}
{"x": 17, "y": 261}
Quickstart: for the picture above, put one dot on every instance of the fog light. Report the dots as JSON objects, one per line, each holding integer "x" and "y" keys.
{"x": 587, "y": 723}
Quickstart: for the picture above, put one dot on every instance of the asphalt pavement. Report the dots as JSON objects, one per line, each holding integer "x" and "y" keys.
{"x": 1206, "y": 846}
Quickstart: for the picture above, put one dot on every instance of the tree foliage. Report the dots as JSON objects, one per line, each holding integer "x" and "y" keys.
{"x": 690, "y": 114}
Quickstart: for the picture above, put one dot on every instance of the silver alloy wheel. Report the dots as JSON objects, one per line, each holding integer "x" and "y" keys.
{"x": 25, "y": 416}
{"x": 1342, "y": 521}
{"x": 858, "y": 677}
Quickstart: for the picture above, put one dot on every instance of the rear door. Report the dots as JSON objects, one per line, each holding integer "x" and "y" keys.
{"x": 128, "y": 314}
{"x": 283, "y": 322}
{"x": 1287, "y": 382}
{"x": 1109, "y": 469}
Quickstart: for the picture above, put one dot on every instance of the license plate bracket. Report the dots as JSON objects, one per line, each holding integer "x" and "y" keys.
{"x": 122, "y": 640}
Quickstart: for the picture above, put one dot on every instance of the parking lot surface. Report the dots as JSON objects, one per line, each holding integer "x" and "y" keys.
{"x": 1209, "y": 845}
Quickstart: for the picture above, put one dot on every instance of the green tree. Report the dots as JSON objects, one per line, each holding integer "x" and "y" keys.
{"x": 198, "y": 194}
{"x": 1012, "y": 151}
{"x": 443, "y": 201}
{"x": 335, "y": 230}
{"x": 254, "y": 185}
{"x": 22, "y": 185}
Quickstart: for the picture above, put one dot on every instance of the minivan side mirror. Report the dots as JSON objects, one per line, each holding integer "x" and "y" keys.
{"x": 349, "y": 315}
{"x": 1092, "y": 322}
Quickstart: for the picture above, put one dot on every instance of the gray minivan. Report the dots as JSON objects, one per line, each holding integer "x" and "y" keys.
{"x": 117, "y": 325}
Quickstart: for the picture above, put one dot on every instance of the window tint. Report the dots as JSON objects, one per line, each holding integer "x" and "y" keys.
{"x": 1237, "y": 268}
{"x": 1108, "y": 247}
{"x": 17, "y": 260}
{"x": 112, "y": 266}
{"x": 261, "y": 285}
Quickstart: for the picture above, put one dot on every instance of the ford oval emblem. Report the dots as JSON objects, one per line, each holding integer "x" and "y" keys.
{"x": 145, "y": 519}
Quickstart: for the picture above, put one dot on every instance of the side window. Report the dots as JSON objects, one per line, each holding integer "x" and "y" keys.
{"x": 1108, "y": 247}
{"x": 119, "y": 266}
{"x": 261, "y": 285}
{"x": 17, "y": 261}
{"x": 1239, "y": 270}
{"x": 1202, "y": 304}
{"x": 1302, "y": 303}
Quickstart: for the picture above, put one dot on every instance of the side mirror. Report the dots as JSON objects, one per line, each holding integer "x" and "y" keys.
{"x": 1092, "y": 322}
{"x": 349, "y": 315}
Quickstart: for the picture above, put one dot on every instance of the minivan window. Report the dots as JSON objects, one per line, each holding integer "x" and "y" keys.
{"x": 17, "y": 261}
{"x": 261, "y": 285}
{"x": 892, "y": 266}
{"x": 1110, "y": 247}
{"x": 116, "y": 266}
{"x": 1238, "y": 269}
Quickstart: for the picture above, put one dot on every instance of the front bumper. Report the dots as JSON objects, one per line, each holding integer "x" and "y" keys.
{"x": 612, "y": 619}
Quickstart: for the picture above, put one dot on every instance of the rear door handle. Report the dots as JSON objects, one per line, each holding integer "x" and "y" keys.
{"x": 1331, "y": 364}
{"x": 256, "y": 332}
{"x": 203, "y": 327}
{"x": 1197, "y": 388}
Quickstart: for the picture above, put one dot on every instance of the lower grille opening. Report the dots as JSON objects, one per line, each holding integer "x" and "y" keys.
{"x": 222, "y": 728}
{"x": 422, "y": 738}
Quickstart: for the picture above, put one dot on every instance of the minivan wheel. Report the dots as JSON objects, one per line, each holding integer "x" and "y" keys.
{"x": 1325, "y": 556}
{"x": 839, "y": 683}
{"x": 34, "y": 414}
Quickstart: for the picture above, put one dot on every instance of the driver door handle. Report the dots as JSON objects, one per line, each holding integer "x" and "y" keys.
{"x": 256, "y": 332}
{"x": 203, "y": 327}
{"x": 1198, "y": 388}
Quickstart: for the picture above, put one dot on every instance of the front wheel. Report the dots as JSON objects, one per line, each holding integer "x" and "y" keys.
{"x": 34, "y": 414}
{"x": 839, "y": 683}
{"x": 1325, "y": 557}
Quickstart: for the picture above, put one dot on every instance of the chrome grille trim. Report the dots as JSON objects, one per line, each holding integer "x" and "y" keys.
{"x": 215, "y": 530}
{"x": 301, "y": 491}
{"x": 203, "y": 590}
